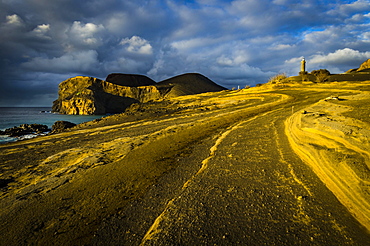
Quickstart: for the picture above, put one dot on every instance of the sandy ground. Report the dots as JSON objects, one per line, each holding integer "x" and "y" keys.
{"x": 215, "y": 168}
{"x": 338, "y": 150}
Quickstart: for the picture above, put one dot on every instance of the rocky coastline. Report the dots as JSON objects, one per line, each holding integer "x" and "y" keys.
{"x": 25, "y": 129}
{"x": 34, "y": 130}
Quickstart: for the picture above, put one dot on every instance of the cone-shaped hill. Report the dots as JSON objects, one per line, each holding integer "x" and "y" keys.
{"x": 189, "y": 84}
{"x": 131, "y": 80}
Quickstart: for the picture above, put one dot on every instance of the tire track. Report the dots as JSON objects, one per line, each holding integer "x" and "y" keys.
{"x": 155, "y": 229}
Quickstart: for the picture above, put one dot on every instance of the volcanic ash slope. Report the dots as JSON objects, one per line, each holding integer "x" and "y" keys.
{"x": 337, "y": 149}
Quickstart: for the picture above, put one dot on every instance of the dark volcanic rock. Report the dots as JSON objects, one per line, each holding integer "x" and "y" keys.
{"x": 190, "y": 84}
{"x": 25, "y": 129}
{"x": 131, "y": 80}
{"x": 60, "y": 126}
{"x": 87, "y": 95}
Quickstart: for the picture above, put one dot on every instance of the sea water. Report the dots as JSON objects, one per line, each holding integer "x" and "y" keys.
{"x": 15, "y": 116}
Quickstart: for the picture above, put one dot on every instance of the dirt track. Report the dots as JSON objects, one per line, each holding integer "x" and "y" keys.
{"x": 220, "y": 172}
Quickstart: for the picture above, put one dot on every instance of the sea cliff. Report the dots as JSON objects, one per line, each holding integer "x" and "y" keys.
{"x": 87, "y": 95}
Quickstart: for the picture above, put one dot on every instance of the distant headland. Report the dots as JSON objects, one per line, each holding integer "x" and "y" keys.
{"x": 87, "y": 95}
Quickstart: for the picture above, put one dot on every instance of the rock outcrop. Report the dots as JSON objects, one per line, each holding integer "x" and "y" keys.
{"x": 25, "y": 129}
{"x": 61, "y": 126}
{"x": 364, "y": 68}
{"x": 365, "y": 65}
{"x": 87, "y": 95}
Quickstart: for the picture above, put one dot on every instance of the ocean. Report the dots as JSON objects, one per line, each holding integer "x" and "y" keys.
{"x": 15, "y": 116}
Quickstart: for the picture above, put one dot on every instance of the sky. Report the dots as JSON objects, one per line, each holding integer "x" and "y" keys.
{"x": 234, "y": 43}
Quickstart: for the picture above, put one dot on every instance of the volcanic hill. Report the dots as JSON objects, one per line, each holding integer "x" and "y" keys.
{"x": 86, "y": 95}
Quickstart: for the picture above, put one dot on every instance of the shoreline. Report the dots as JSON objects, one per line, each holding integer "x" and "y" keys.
{"x": 8, "y": 139}
{"x": 14, "y": 117}
{"x": 69, "y": 186}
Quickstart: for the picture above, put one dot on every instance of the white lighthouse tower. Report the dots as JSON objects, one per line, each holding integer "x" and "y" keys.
{"x": 303, "y": 66}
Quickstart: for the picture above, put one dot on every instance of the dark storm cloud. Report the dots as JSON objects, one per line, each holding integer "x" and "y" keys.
{"x": 240, "y": 42}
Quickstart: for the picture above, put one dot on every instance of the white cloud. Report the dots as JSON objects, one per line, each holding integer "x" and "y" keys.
{"x": 194, "y": 43}
{"x": 252, "y": 14}
{"x": 198, "y": 19}
{"x": 281, "y": 47}
{"x": 85, "y": 34}
{"x": 125, "y": 65}
{"x": 118, "y": 23}
{"x": 327, "y": 35}
{"x": 87, "y": 30}
{"x": 366, "y": 35}
{"x": 279, "y": 2}
{"x": 223, "y": 60}
{"x": 262, "y": 16}
{"x": 294, "y": 60}
{"x": 351, "y": 8}
{"x": 156, "y": 68}
{"x": 79, "y": 61}
{"x": 341, "y": 56}
{"x": 137, "y": 45}
{"x": 356, "y": 18}
{"x": 239, "y": 6}
{"x": 14, "y": 20}
{"x": 240, "y": 58}
{"x": 41, "y": 31}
